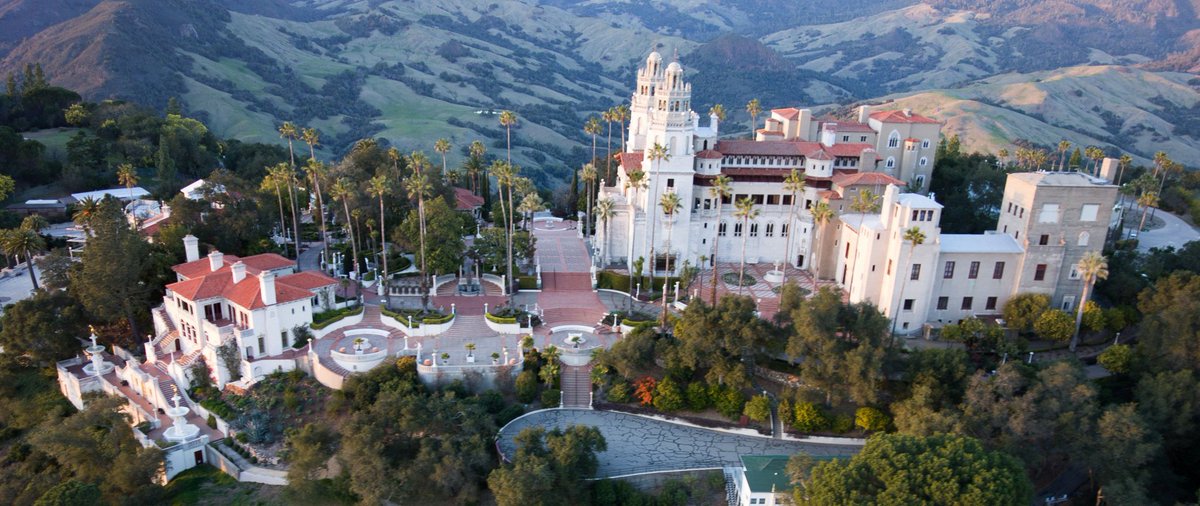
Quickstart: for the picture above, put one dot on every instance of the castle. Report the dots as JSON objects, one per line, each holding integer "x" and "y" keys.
{"x": 1050, "y": 219}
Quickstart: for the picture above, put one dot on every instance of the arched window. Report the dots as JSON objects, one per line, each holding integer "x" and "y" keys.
{"x": 721, "y": 229}
{"x": 894, "y": 139}
{"x": 1084, "y": 237}
{"x": 770, "y": 230}
{"x": 925, "y": 144}
{"x": 737, "y": 229}
{"x": 753, "y": 229}
{"x": 891, "y": 162}
{"x": 924, "y": 161}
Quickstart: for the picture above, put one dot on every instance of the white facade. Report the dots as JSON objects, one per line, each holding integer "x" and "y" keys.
{"x": 1048, "y": 221}
{"x": 660, "y": 115}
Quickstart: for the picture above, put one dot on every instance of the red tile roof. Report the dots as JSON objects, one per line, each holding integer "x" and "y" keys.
{"x": 787, "y": 112}
{"x": 203, "y": 287}
{"x": 819, "y": 154}
{"x": 850, "y": 149}
{"x": 307, "y": 280}
{"x": 248, "y": 293}
{"x": 710, "y": 154}
{"x": 632, "y": 161}
{"x": 790, "y": 148}
{"x": 265, "y": 262}
{"x": 829, "y": 195}
{"x": 901, "y": 117}
{"x": 865, "y": 178}
{"x": 465, "y": 200}
{"x": 201, "y": 267}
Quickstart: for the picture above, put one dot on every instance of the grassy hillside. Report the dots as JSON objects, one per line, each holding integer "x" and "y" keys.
{"x": 1120, "y": 108}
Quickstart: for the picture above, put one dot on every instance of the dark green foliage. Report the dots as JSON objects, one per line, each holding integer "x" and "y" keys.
{"x": 551, "y": 397}
{"x": 973, "y": 186}
{"x": 527, "y": 386}
{"x": 548, "y": 467}
{"x": 47, "y": 327}
{"x": 71, "y": 493}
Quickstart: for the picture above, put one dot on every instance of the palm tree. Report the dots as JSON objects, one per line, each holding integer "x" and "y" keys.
{"x": 822, "y": 214}
{"x": 609, "y": 117}
{"x": 342, "y": 190}
{"x": 442, "y": 146}
{"x": 508, "y": 119}
{"x": 316, "y": 172}
{"x": 622, "y": 117}
{"x": 289, "y": 175}
{"x": 24, "y": 241}
{"x": 592, "y": 128}
{"x": 475, "y": 164}
{"x": 1063, "y": 146}
{"x": 276, "y": 174}
{"x": 746, "y": 211}
{"x": 34, "y": 222}
{"x": 656, "y": 153}
{"x": 127, "y": 177}
{"x": 311, "y": 137}
{"x": 418, "y": 187}
{"x": 506, "y": 175}
{"x": 915, "y": 237}
{"x": 604, "y": 213}
{"x": 1146, "y": 200}
{"x": 720, "y": 189}
{"x": 670, "y": 204}
{"x": 1125, "y": 161}
{"x": 588, "y": 174}
{"x": 1093, "y": 266}
{"x": 530, "y": 204}
{"x": 379, "y": 186}
{"x": 793, "y": 183}
{"x": 718, "y": 110}
{"x": 86, "y": 211}
{"x": 864, "y": 202}
{"x": 754, "y": 108}
{"x": 288, "y": 131}
{"x": 1003, "y": 155}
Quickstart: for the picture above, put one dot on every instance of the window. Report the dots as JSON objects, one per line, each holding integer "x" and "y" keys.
{"x": 1049, "y": 214}
{"x": 670, "y": 182}
{"x": 783, "y": 230}
{"x": 770, "y": 230}
{"x": 1068, "y": 303}
{"x": 1083, "y": 238}
{"x": 726, "y": 199}
{"x": 1044, "y": 239}
{"x": 990, "y": 305}
{"x": 967, "y": 302}
{"x": 1074, "y": 272}
{"x": 707, "y": 204}
{"x": 925, "y": 144}
{"x": 920, "y": 180}
{"x": 773, "y": 200}
{"x": 998, "y": 272}
{"x": 862, "y": 138}
{"x": 908, "y": 304}
{"x": 262, "y": 343}
{"x": 916, "y": 272}
{"x": 889, "y": 268}
{"x": 894, "y": 139}
{"x": 847, "y": 249}
{"x": 721, "y": 229}
{"x": 283, "y": 340}
{"x": 757, "y": 199}
{"x": 1039, "y": 272}
{"x": 948, "y": 273}
{"x": 943, "y": 303}
{"x": 753, "y": 230}
{"x": 891, "y": 162}
{"x": 1089, "y": 212}
{"x": 787, "y": 200}
{"x": 974, "y": 272}
{"x": 845, "y": 138}
{"x": 737, "y": 229}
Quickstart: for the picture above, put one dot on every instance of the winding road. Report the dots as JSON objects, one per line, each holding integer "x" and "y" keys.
{"x": 638, "y": 444}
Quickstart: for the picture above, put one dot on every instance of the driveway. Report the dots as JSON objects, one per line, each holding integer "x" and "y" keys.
{"x": 1174, "y": 232}
{"x": 638, "y": 444}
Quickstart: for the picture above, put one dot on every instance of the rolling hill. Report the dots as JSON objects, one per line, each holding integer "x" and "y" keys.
{"x": 411, "y": 71}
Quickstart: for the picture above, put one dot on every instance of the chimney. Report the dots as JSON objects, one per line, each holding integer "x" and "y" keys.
{"x": 713, "y": 122}
{"x": 829, "y": 135}
{"x": 216, "y": 260}
{"x": 266, "y": 284}
{"x": 191, "y": 247}
{"x": 863, "y": 114}
{"x": 908, "y": 113}
{"x": 239, "y": 271}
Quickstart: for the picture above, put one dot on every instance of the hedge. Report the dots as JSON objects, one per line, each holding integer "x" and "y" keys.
{"x": 502, "y": 320}
{"x": 527, "y": 282}
{"x": 610, "y": 280}
{"x": 417, "y": 318}
{"x": 327, "y": 318}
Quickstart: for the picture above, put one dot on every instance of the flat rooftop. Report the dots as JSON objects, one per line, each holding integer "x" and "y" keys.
{"x": 979, "y": 243}
{"x": 1042, "y": 178}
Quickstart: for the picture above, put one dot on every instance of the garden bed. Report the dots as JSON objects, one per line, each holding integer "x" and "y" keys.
{"x": 327, "y": 318}
{"x": 731, "y": 278}
{"x": 419, "y": 316}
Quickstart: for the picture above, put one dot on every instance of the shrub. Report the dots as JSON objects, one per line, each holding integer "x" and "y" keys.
{"x": 759, "y": 408}
{"x": 787, "y": 413}
{"x": 1114, "y": 319}
{"x": 871, "y": 419}
{"x": 527, "y": 282}
{"x": 1055, "y": 325}
{"x": 327, "y": 318}
{"x": 809, "y": 417}
{"x": 551, "y": 397}
{"x": 527, "y": 386}
{"x": 619, "y": 393}
{"x": 502, "y": 320}
{"x": 729, "y": 401}
{"x": 667, "y": 396}
{"x": 697, "y": 396}
{"x": 1093, "y": 317}
{"x": 732, "y": 278}
{"x": 643, "y": 390}
{"x": 1117, "y": 358}
{"x": 842, "y": 424}
{"x": 508, "y": 414}
{"x": 211, "y": 421}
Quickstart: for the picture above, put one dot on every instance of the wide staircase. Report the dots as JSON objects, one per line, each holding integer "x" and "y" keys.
{"x": 563, "y": 281}
{"x": 576, "y": 384}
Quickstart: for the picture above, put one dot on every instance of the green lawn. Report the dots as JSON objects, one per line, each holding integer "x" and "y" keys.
{"x": 207, "y": 485}
{"x": 55, "y": 140}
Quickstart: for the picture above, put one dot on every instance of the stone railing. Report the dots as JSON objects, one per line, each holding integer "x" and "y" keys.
{"x": 498, "y": 281}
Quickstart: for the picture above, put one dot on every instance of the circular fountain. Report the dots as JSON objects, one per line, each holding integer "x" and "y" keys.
{"x": 179, "y": 430}
{"x": 98, "y": 367}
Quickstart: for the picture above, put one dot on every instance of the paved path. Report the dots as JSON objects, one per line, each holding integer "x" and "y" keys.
{"x": 638, "y": 444}
{"x": 1174, "y": 232}
{"x": 17, "y": 286}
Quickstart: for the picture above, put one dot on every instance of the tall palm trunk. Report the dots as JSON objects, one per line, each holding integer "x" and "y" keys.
{"x": 816, "y": 259}
{"x": 903, "y": 282}
{"x": 1079, "y": 314}
{"x": 716, "y": 249}
{"x": 295, "y": 225}
{"x": 387, "y": 291}
{"x": 424, "y": 271}
{"x": 787, "y": 246}
{"x": 282, "y": 219}
{"x": 745, "y": 238}
{"x": 1142, "y": 223}
{"x": 353, "y": 245}
{"x": 32, "y": 276}
{"x": 608, "y": 156}
{"x": 321, "y": 211}
{"x": 511, "y": 231}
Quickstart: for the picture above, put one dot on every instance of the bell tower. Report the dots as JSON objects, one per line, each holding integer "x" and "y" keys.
{"x": 649, "y": 78}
